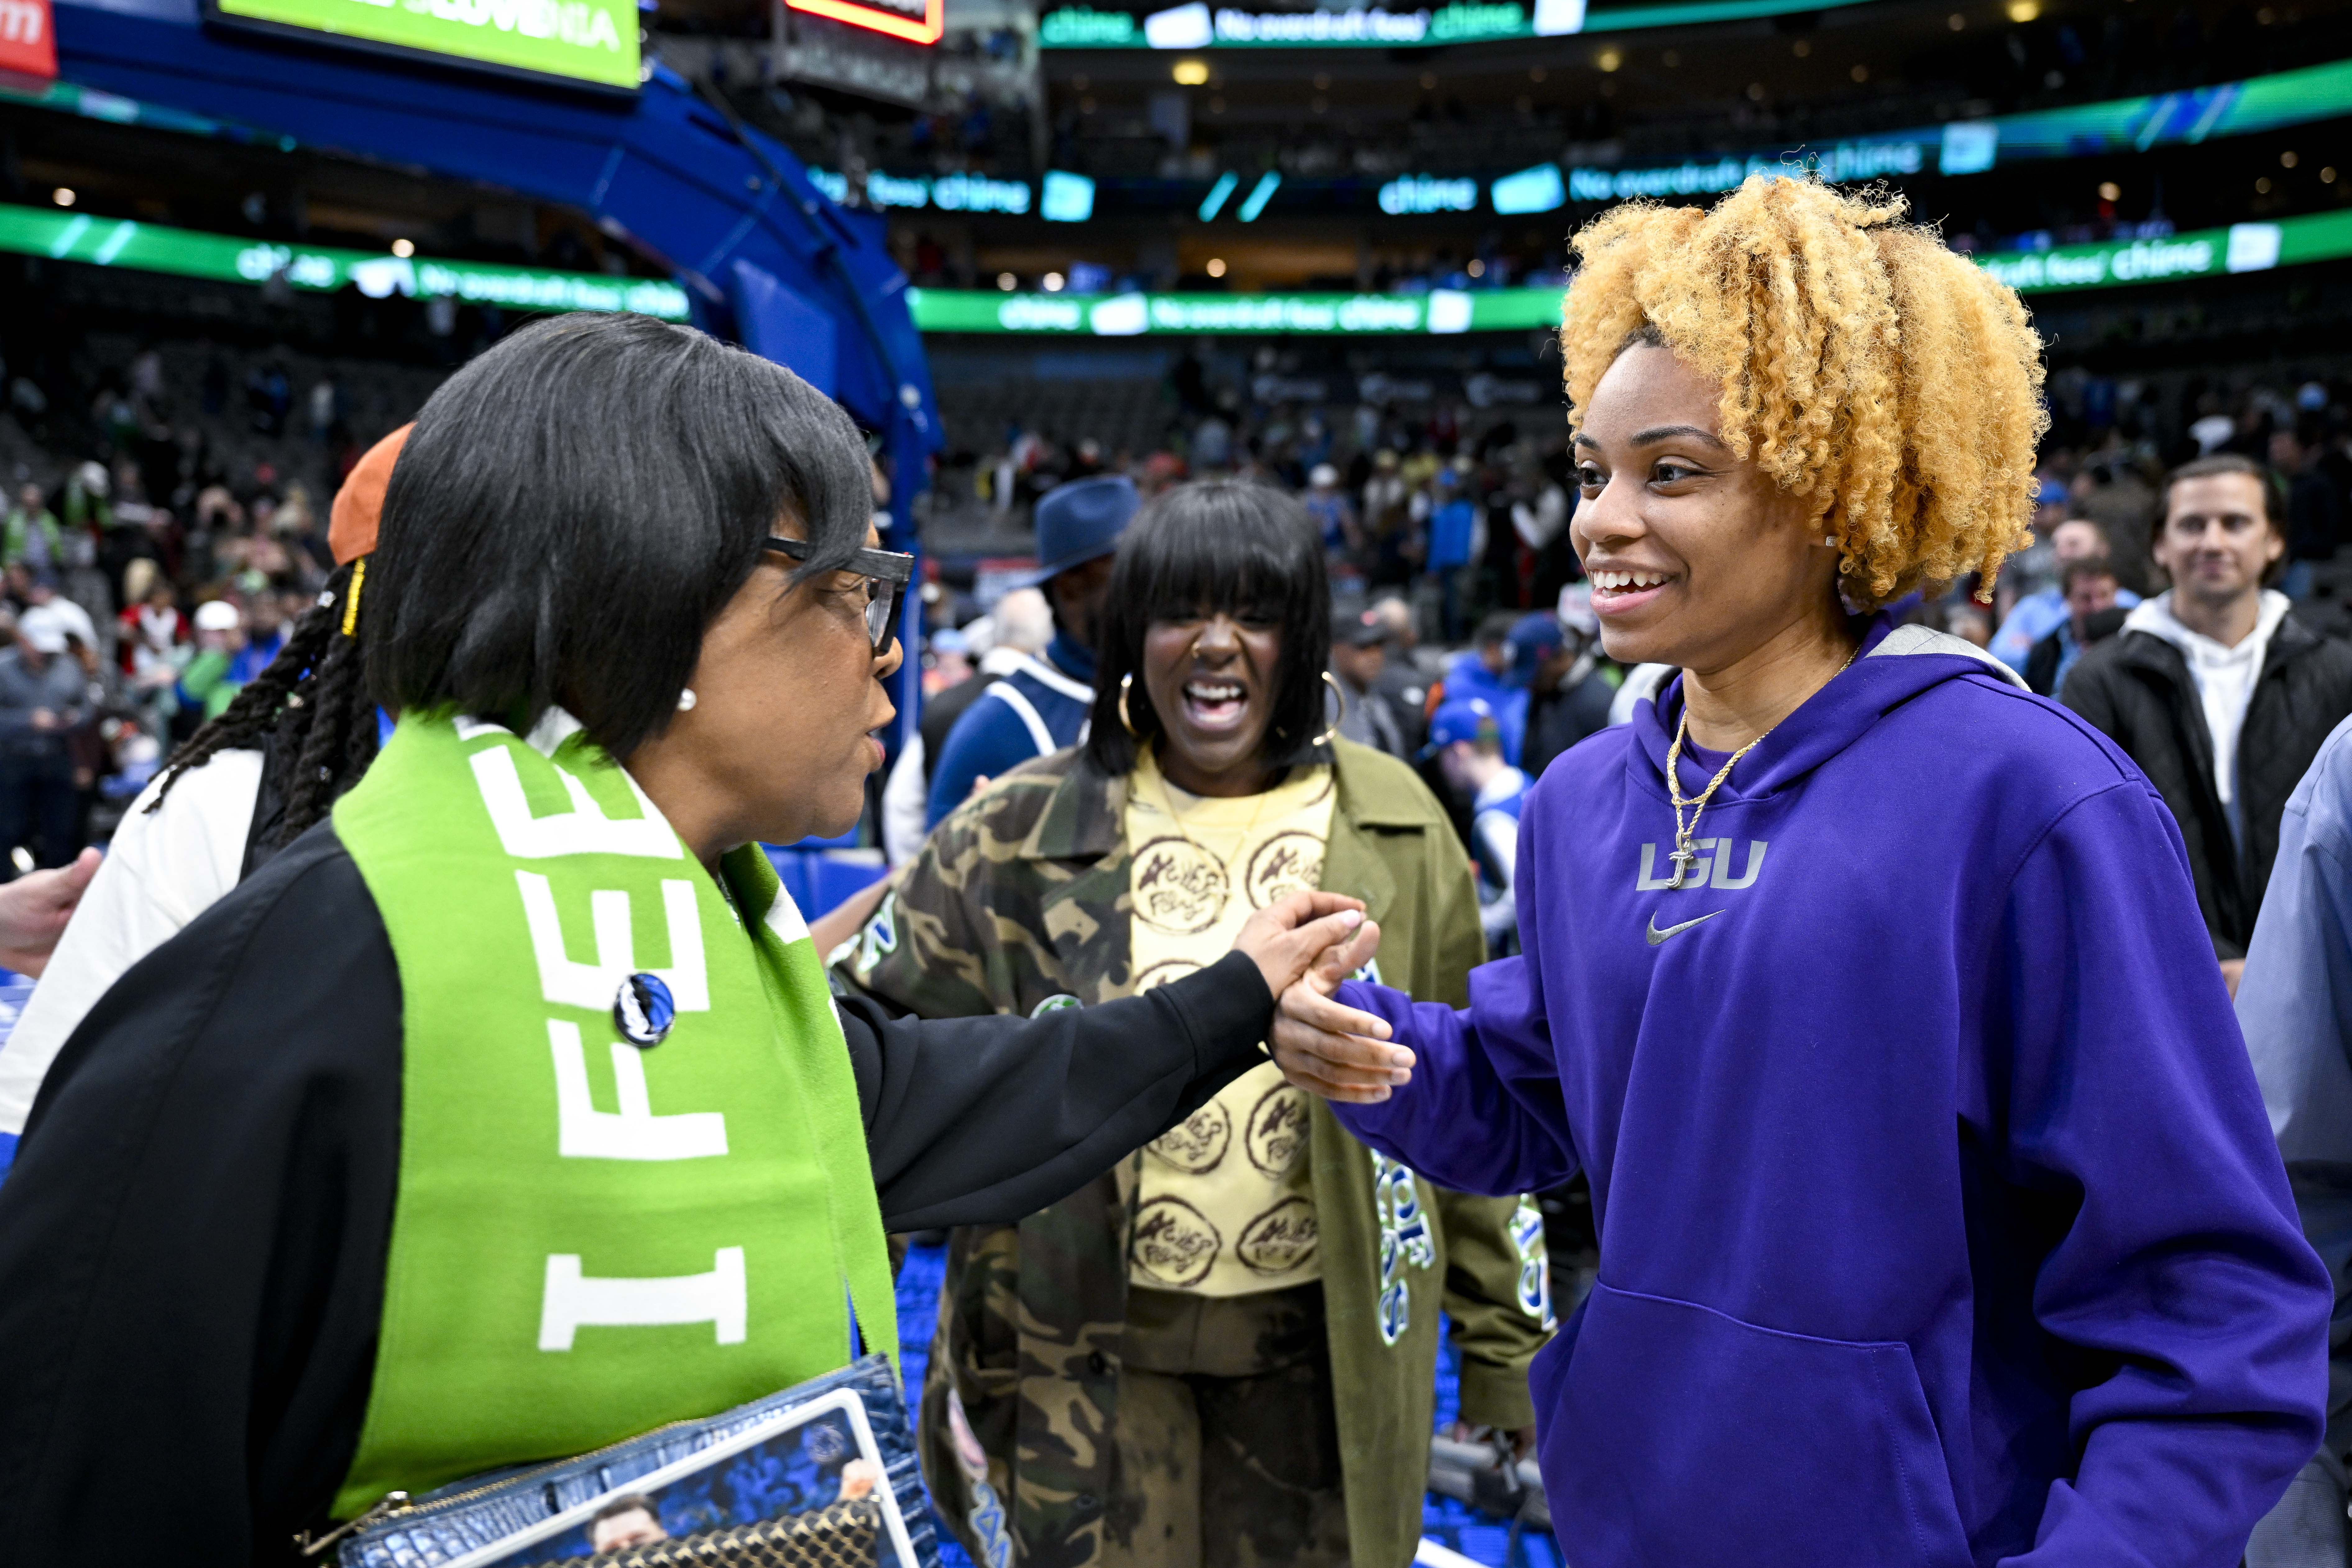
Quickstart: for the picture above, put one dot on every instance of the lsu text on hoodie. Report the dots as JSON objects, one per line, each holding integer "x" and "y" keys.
{"x": 1940, "y": 1221}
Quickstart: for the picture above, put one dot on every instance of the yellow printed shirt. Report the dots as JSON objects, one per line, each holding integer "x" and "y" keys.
{"x": 1224, "y": 1206}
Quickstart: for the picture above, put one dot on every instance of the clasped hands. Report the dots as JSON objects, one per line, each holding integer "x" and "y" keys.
{"x": 1305, "y": 945}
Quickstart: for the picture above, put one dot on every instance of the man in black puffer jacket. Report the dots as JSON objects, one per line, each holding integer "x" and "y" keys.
{"x": 2219, "y": 696}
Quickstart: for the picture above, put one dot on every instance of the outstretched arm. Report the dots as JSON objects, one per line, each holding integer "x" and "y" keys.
{"x": 1470, "y": 1099}
{"x": 981, "y": 1120}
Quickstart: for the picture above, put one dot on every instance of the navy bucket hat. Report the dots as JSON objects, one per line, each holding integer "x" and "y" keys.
{"x": 1078, "y": 522}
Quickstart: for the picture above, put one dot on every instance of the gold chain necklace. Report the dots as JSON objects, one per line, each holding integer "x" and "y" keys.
{"x": 1168, "y": 805}
{"x": 1685, "y": 852}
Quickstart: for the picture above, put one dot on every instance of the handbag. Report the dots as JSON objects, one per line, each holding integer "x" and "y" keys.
{"x": 820, "y": 1475}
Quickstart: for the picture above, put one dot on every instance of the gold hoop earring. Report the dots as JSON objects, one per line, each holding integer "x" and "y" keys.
{"x": 1328, "y": 736}
{"x": 1125, "y": 722}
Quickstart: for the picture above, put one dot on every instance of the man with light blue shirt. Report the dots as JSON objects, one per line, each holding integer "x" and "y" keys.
{"x": 2038, "y": 614}
{"x": 2295, "y": 1003}
{"x": 1042, "y": 705}
{"x": 1468, "y": 745}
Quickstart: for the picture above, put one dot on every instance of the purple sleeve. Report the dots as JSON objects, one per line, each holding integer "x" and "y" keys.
{"x": 2183, "y": 1284}
{"x": 1483, "y": 1113}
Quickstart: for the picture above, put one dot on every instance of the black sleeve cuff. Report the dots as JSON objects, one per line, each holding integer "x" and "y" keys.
{"x": 1226, "y": 1010}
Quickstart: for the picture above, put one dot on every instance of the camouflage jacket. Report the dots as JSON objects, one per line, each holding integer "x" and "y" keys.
{"x": 1020, "y": 901}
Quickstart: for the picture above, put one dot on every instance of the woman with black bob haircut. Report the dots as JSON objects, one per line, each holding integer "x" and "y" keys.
{"x": 1239, "y": 1325}
{"x": 1229, "y": 546}
{"x": 507, "y": 1113}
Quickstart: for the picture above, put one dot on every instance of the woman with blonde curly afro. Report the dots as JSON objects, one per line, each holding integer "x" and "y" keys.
{"x": 1940, "y": 1222}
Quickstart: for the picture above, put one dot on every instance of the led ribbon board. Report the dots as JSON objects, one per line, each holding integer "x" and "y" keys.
{"x": 1961, "y": 147}
{"x": 1131, "y": 315}
{"x": 591, "y": 43}
{"x": 916, "y": 21}
{"x": 2241, "y": 248}
{"x": 186, "y": 253}
{"x": 2206, "y": 253}
{"x": 1973, "y": 146}
{"x": 1198, "y": 25}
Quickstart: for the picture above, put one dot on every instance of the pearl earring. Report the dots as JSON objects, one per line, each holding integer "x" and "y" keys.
{"x": 686, "y": 700}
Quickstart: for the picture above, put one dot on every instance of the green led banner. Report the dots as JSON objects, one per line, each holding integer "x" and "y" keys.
{"x": 1199, "y": 26}
{"x": 588, "y": 41}
{"x": 2195, "y": 114}
{"x": 186, "y": 253}
{"x": 1131, "y": 315}
{"x": 2244, "y": 248}
{"x": 1974, "y": 146}
{"x": 2240, "y": 247}
{"x": 70, "y": 98}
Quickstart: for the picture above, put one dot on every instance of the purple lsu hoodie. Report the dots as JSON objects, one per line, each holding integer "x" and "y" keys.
{"x": 1940, "y": 1221}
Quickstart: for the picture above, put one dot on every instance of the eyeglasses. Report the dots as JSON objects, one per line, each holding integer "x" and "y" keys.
{"x": 885, "y": 571}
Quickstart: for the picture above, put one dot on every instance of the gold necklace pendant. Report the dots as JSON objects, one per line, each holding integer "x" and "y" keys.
{"x": 1176, "y": 819}
{"x": 1685, "y": 851}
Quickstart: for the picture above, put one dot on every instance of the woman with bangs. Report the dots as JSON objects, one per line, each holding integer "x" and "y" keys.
{"x": 1940, "y": 1222}
{"x": 1223, "y": 1352}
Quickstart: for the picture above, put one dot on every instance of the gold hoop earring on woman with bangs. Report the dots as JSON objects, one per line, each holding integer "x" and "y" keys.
{"x": 1125, "y": 722}
{"x": 1328, "y": 736}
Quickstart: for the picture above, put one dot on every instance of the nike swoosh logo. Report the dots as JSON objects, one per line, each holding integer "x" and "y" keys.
{"x": 1657, "y": 936}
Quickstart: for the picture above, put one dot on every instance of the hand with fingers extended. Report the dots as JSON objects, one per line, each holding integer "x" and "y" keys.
{"x": 1286, "y": 937}
{"x": 1333, "y": 1050}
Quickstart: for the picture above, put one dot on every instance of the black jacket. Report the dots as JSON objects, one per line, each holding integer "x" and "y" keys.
{"x": 2137, "y": 689}
{"x": 192, "y": 1237}
{"x": 2042, "y": 662}
{"x": 1559, "y": 718}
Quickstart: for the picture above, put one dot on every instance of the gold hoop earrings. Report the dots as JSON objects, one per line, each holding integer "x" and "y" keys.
{"x": 1125, "y": 722}
{"x": 1328, "y": 736}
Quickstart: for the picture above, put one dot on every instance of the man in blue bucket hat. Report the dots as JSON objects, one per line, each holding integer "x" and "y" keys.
{"x": 1042, "y": 705}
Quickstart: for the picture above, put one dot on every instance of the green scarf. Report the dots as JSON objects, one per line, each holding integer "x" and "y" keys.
{"x": 591, "y": 1239}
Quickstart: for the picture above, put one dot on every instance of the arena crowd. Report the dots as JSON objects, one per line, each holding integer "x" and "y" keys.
{"x": 1863, "y": 828}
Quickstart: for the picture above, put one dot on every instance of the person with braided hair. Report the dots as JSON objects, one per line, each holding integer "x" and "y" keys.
{"x": 1939, "y": 1219}
{"x": 247, "y": 784}
{"x": 509, "y": 1112}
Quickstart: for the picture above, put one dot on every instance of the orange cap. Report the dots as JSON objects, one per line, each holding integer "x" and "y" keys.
{"x": 358, "y": 505}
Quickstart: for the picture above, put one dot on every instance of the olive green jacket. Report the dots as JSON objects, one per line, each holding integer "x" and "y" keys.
{"x": 1020, "y": 900}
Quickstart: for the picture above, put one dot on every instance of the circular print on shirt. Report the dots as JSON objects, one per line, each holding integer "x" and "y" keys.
{"x": 1285, "y": 864}
{"x": 1280, "y": 1239}
{"x": 1177, "y": 887}
{"x": 1197, "y": 1144}
{"x": 1161, "y": 972}
{"x": 1276, "y": 1134}
{"x": 1175, "y": 1242}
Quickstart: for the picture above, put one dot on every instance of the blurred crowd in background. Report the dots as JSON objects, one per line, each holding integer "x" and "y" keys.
{"x": 157, "y": 543}
{"x": 160, "y": 537}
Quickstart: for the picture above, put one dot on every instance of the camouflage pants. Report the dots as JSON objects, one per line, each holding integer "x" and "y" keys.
{"x": 1227, "y": 1448}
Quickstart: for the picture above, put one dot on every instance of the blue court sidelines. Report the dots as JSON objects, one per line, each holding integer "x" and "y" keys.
{"x": 1448, "y": 1524}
